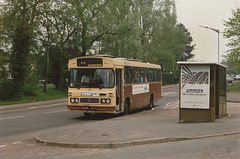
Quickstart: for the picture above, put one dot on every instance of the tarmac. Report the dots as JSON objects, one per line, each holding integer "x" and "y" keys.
{"x": 158, "y": 125}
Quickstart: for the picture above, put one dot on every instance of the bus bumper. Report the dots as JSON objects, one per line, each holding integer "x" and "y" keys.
{"x": 92, "y": 109}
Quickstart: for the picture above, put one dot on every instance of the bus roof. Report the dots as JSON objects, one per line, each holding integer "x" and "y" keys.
{"x": 113, "y": 62}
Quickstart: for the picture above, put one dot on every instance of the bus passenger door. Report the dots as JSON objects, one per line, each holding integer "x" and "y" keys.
{"x": 118, "y": 89}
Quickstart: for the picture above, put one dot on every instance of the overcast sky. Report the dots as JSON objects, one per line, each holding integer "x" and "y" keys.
{"x": 211, "y": 13}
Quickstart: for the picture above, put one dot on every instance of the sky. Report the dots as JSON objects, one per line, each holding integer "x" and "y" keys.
{"x": 211, "y": 13}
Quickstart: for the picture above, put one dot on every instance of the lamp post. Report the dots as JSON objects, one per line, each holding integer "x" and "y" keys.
{"x": 216, "y": 30}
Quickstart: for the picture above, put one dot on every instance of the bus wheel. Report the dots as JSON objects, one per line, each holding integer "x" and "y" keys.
{"x": 126, "y": 107}
{"x": 151, "y": 104}
{"x": 87, "y": 115}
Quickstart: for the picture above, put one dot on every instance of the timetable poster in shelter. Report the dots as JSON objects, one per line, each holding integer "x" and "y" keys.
{"x": 195, "y": 87}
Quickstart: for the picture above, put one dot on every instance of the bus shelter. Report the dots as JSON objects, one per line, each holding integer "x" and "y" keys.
{"x": 202, "y": 91}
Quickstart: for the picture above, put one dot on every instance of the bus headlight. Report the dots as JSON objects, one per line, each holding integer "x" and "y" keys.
{"x": 106, "y": 101}
{"x": 74, "y": 100}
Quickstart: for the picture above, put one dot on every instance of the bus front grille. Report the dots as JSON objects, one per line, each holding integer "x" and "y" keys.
{"x": 89, "y": 100}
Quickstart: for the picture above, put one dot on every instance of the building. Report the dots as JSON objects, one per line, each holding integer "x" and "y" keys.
{"x": 5, "y": 71}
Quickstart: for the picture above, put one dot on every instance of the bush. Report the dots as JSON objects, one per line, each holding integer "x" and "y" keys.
{"x": 30, "y": 90}
{"x": 170, "y": 77}
{"x": 31, "y": 84}
{"x": 6, "y": 89}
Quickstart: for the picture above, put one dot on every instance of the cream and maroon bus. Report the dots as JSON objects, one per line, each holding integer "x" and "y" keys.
{"x": 112, "y": 85}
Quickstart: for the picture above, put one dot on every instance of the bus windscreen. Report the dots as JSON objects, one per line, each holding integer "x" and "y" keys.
{"x": 92, "y": 78}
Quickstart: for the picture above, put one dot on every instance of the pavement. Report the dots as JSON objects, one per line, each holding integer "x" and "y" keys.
{"x": 146, "y": 127}
{"x": 159, "y": 125}
{"x": 233, "y": 96}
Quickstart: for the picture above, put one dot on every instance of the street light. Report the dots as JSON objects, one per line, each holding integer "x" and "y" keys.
{"x": 216, "y": 30}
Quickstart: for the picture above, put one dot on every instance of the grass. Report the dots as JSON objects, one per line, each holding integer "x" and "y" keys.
{"x": 51, "y": 93}
{"x": 235, "y": 86}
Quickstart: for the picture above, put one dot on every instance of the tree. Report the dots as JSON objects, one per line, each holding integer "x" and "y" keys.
{"x": 148, "y": 30}
{"x": 123, "y": 38}
{"x": 91, "y": 18}
{"x": 48, "y": 33}
{"x": 70, "y": 28}
{"x": 56, "y": 27}
{"x": 232, "y": 32}
{"x": 19, "y": 20}
{"x": 189, "y": 47}
{"x": 4, "y": 56}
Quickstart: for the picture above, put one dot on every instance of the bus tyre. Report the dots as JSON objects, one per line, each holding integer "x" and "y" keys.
{"x": 151, "y": 104}
{"x": 87, "y": 115}
{"x": 126, "y": 107}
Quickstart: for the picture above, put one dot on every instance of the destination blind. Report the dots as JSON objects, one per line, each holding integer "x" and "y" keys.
{"x": 91, "y": 62}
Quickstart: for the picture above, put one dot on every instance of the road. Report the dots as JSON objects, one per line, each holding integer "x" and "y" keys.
{"x": 18, "y": 127}
{"x": 23, "y": 124}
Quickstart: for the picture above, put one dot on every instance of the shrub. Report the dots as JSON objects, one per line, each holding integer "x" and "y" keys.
{"x": 6, "y": 89}
{"x": 30, "y": 90}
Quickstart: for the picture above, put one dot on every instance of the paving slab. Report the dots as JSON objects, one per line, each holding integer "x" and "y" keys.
{"x": 233, "y": 96}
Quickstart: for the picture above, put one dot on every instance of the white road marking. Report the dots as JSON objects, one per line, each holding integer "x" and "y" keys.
{"x": 14, "y": 117}
{"x": 168, "y": 93}
{"x": 49, "y": 105}
{"x": 170, "y": 105}
{"x": 1, "y": 146}
{"x": 15, "y": 143}
{"x": 38, "y": 106}
{"x": 57, "y": 111}
{"x": 57, "y": 104}
{"x": 32, "y": 107}
{"x": 18, "y": 142}
{"x": 174, "y": 106}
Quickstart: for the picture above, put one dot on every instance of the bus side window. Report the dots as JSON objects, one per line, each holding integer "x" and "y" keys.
{"x": 143, "y": 78}
{"x": 136, "y": 76}
{"x": 156, "y": 75}
{"x": 127, "y": 75}
{"x": 150, "y": 75}
{"x": 159, "y": 75}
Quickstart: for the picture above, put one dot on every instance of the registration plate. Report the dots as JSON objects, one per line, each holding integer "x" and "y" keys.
{"x": 92, "y": 94}
{"x": 89, "y": 111}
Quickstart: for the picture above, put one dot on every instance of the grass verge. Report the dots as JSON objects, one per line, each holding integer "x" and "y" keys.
{"x": 51, "y": 93}
{"x": 235, "y": 86}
